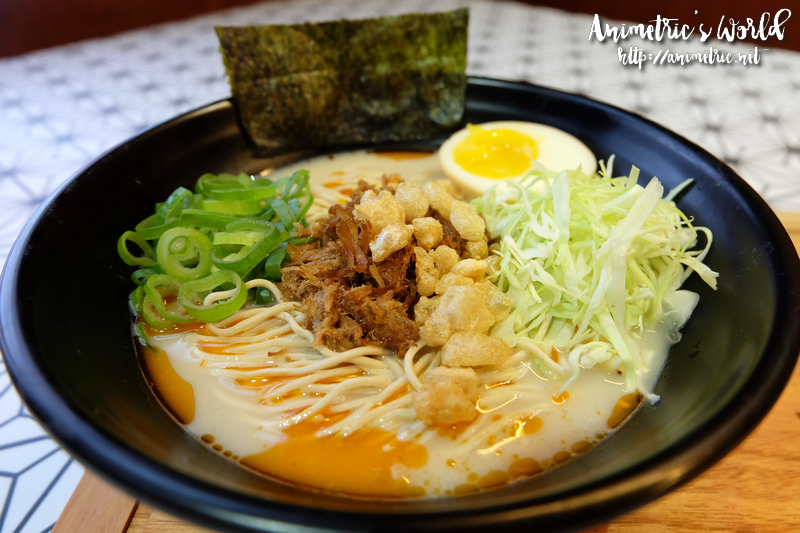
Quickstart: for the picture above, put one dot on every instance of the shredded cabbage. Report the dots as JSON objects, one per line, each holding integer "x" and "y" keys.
{"x": 590, "y": 263}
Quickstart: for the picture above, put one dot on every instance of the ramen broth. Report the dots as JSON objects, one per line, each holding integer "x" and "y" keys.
{"x": 534, "y": 431}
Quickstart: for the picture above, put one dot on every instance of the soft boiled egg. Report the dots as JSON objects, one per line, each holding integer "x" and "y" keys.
{"x": 479, "y": 156}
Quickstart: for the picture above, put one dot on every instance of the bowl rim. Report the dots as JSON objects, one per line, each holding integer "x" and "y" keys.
{"x": 634, "y": 486}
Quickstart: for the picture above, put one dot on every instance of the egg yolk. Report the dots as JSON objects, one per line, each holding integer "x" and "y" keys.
{"x": 497, "y": 154}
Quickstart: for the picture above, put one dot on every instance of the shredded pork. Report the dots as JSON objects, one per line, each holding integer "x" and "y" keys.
{"x": 349, "y": 299}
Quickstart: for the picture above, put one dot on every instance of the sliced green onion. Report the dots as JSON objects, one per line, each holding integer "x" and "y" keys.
{"x": 152, "y": 317}
{"x": 272, "y": 267}
{"x": 150, "y": 229}
{"x": 196, "y": 204}
{"x": 192, "y": 294}
{"x": 295, "y": 184}
{"x": 305, "y": 240}
{"x": 303, "y": 209}
{"x": 205, "y": 218}
{"x": 209, "y": 183}
{"x": 136, "y": 299}
{"x": 234, "y": 207}
{"x": 268, "y": 214}
{"x": 250, "y": 224}
{"x": 296, "y": 188}
{"x": 146, "y": 260}
{"x": 141, "y": 335}
{"x": 179, "y": 200}
{"x": 184, "y": 253}
{"x": 265, "y": 297}
{"x": 244, "y": 232}
{"x": 248, "y": 258}
{"x": 161, "y": 287}
{"x": 140, "y": 276}
{"x": 239, "y": 187}
{"x": 283, "y": 211}
{"x": 232, "y": 222}
{"x": 241, "y": 238}
{"x": 265, "y": 190}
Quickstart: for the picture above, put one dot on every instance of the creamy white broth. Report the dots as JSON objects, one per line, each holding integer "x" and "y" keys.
{"x": 521, "y": 429}
{"x": 349, "y": 167}
{"x": 334, "y": 177}
{"x": 233, "y": 415}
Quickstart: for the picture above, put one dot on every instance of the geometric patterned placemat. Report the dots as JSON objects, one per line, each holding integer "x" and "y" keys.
{"x": 36, "y": 476}
{"x": 61, "y": 107}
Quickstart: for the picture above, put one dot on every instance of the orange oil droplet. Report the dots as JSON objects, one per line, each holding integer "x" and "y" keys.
{"x": 268, "y": 383}
{"x": 175, "y": 328}
{"x": 360, "y": 463}
{"x": 338, "y": 379}
{"x": 527, "y": 425}
{"x": 524, "y": 467}
{"x": 561, "y": 398}
{"x": 495, "y": 478}
{"x": 561, "y": 457}
{"x": 624, "y": 408}
{"x": 454, "y": 430}
{"x": 581, "y": 446}
{"x": 175, "y": 394}
{"x": 554, "y": 354}
{"x": 398, "y": 394}
{"x": 466, "y": 488}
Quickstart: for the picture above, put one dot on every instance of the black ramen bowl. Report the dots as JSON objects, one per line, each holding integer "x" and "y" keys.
{"x": 67, "y": 343}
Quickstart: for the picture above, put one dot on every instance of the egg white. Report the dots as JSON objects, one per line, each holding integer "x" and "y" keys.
{"x": 557, "y": 150}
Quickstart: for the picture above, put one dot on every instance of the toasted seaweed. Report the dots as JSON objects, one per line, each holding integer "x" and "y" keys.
{"x": 348, "y": 82}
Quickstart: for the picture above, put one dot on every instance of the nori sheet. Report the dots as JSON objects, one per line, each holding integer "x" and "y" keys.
{"x": 348, "y": 82}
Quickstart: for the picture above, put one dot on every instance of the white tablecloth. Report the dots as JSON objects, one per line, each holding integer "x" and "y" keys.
{"x": 61, "y": 107}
